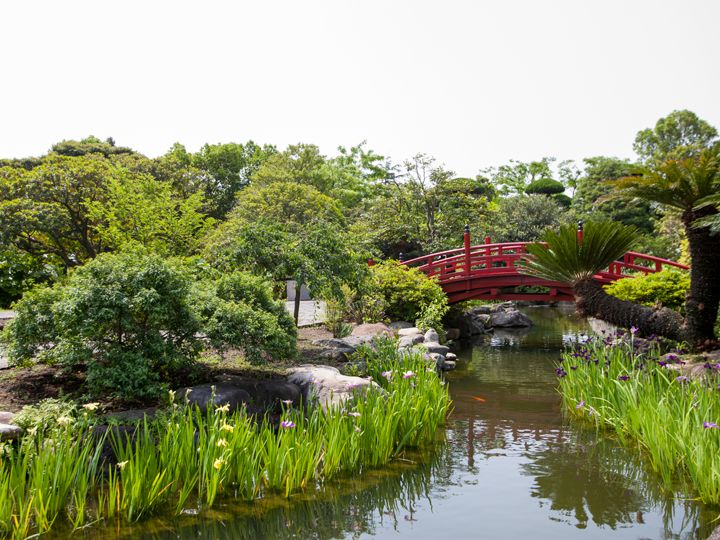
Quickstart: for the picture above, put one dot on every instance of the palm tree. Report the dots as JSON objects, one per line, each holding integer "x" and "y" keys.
{"x": 563, "y": 257}
{"x": 691, "y": 185}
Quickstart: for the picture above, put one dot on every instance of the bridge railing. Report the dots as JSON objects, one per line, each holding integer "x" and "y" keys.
{"x": 498, "y": 259}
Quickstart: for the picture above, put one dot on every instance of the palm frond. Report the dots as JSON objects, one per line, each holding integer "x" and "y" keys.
{"x": 677, "y": 183}
{"x": 567, "y": 260}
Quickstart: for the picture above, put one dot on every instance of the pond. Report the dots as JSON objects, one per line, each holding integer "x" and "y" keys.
{"x": 508, "y": 465}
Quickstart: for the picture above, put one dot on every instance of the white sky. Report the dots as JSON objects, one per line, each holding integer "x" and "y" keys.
{"x": 473, "y": 83}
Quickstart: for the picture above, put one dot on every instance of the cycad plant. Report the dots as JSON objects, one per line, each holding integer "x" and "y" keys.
{"x": 692, "y": 186}
{"x": 564, "y": 257}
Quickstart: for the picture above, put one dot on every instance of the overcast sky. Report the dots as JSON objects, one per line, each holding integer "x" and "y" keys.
{"x": 473, "y": 83}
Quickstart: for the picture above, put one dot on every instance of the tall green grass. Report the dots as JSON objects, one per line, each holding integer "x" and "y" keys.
{"x": 672, "y": 418}
{"x": 186, "y": 459}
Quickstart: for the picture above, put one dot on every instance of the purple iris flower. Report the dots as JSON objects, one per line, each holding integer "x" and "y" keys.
{"x": 682, "y": 379}
{"x": 623, "y": 378}
{"x": 710, "y": 425}
{"x": 287, "y": 424}
{"x": 560, "y": 372}
{"x": 580, "y": 405}
{"x": 633, "y": 330}
{"x": 662, "y": 364}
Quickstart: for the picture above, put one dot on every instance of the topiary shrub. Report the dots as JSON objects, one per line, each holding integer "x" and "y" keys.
{"x": 133, "y": 320}
{"x": 408, "y": 294}
{"x": 667, "y": 288}
{"x": 544, "y": 186}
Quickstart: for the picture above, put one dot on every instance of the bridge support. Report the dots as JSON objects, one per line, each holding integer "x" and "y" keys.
{"x": 466, "y": 238}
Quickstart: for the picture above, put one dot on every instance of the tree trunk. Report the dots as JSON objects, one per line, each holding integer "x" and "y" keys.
{"x": 296, "y": 311}
{"x": 593, "y": 301}
{"x": 701, "y": 303}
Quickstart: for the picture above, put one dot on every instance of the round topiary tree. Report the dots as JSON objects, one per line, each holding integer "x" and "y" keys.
{"x": 544, "y": 186}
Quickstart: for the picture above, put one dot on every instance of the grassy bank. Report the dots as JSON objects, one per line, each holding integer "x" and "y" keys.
{"x": 186, "y": 459}
{"x": 672, "y": 418}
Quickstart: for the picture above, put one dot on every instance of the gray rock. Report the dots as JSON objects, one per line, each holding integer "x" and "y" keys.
{"x": 400, "y": 325}
{"x": 432, "y": 336}
{"x": 448, "y": 365}
{"x": 372, "y": 330}
{"x": 10, "y": 432}
{"x": 436, "y": 348}
{"x": 218, "y": 394}
{"x": 452, "y": 334}
{"x": 451, "y": 356}
{"x": 266, "y": 394}
{"x": 133, "y": 415}
{"x": 6, "y": 417}
{"x": 715, "y": 535}
{"x": 409, "y": 331}
{"x": 509, "y": 319}
{"x": 408, "y": 341}
{"x": 326, "y": 385}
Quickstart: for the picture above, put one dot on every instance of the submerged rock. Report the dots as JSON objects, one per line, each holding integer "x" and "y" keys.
{"x": 510, "y": 318}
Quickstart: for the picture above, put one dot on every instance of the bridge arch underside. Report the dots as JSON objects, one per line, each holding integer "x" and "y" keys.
{"x": 506, "y": 288}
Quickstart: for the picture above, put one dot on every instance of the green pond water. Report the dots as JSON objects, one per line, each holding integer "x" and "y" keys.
{"x": 508, "y": 465}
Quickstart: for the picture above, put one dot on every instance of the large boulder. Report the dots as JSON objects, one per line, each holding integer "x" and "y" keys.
{"x": 509, "y": 318}
{"x": 217, "y": 394}
{"x": 410, "y": 331}
{"x": 408, "y": 341}
{"x": 10, "y": 432}
{"x": 267, "y": 394}
{"x": 372, "y": 330}
{"x": 400, "y": 325}
{"x": 326, "y": 386}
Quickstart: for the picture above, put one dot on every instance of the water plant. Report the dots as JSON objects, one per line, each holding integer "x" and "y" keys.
{"x": 649, "y": 400}
{"x": 184, "y": 459}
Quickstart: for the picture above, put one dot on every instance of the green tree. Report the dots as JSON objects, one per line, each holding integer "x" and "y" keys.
{"x": 89, "y": 145}
{"x": 44, "y": 211}
{"x": 287, "y": 231}
{"x": 682, "y": 184}
{"x": 681, "y": 134}
{"x": 565, "y": 259}
{"x": 522, "y": 219}
{"x": 513, "y": 178}
{"x": 138, "y": 209}
{"x": 132, "y": 321}
{"x": 227, "y": 169}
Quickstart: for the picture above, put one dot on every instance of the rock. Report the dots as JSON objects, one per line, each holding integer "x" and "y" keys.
{"x": 435, "y": 357}
{"x": 6, "y": 417}
{"x": 10, "y": 432}
{"x": 408, "y": 341}
{"x": 432, "y": 336}
{"x": 224, "y": 394}
{"x": 510, "y": 318}
{"x": 448, "y": 365}
{"x": 326, "y": 385}
{"x": 338, "y": 350}
{"x": 452, "y": 334}
{"x": 372, "y": 330}
{"x": 715, "y": 535}
{"x": 451, "y": 356}
{"x": 133, "y": 415}
{"x": 435, "y": 347}
{"x": 400, "y": 325}
{"x": 266, "y": 394}
{"x": 409, "y": 331}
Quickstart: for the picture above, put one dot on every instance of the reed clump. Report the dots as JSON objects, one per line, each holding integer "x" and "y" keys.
{"x": 648, "y": 400}
{"x": 185, "y": 459}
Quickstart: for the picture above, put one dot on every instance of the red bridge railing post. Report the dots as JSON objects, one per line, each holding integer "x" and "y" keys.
{"x": 580, "y": 232}
{"x": 466, "y": 238}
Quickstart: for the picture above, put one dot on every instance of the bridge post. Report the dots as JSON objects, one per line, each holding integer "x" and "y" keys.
{"x": 580, "y": 232}
{"x": 401, "y": 256}
{"x": 466, "y": 239}
{"x": 370, "y": 262}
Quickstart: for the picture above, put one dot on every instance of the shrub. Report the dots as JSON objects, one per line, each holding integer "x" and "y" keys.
{"x": 132, "y": 320}
{"x": 545, "y": 186}
{"x": 667, "y": 287}
{"x": 408, "y": 294}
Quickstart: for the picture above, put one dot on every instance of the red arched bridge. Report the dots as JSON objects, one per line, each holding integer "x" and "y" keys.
{"x": 488, "y": 272}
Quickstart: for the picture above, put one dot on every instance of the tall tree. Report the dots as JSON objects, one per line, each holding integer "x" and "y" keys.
{"x": 228, "y": 168}
{"x": 683, "y": 184}
{"x": 680, "y": 134}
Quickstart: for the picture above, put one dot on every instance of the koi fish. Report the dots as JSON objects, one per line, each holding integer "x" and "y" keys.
{"x": 478, "y": 398}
